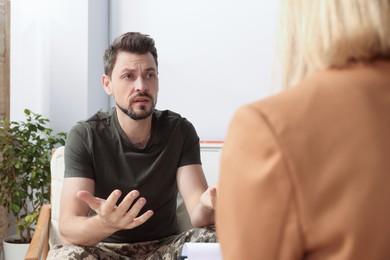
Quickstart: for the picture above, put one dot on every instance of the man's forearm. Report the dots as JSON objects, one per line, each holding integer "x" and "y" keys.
{"x": 83, "y": 231}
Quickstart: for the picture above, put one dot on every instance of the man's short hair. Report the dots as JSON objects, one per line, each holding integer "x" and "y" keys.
{"x": 133, "y": 42}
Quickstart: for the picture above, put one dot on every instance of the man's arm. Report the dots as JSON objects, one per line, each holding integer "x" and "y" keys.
{"x": 198, "y": 198}
{"x": 79, "y": 229}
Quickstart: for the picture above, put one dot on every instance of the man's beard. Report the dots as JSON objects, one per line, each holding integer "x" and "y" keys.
{"x": 140, "y": 115}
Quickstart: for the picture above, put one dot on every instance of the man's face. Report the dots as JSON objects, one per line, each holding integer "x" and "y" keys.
{"x": 133, "y": 84}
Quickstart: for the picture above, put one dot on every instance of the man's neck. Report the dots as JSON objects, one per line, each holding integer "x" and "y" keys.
{"x": 137, "y": 131}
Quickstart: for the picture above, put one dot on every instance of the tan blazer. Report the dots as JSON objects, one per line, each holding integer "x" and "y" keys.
{"x": 305, "y": 174}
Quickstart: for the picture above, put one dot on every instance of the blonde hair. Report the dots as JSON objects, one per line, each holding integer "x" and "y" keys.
{"x": 323, "y": 34}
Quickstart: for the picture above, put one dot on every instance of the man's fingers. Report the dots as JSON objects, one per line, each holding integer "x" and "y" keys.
{"x": 93, "y": 202}
{"x": 136, "y": 208}
{"x": 111, "y": 201}
{"x": 213, "y": 191}
{"x": 140, "y": 220}
{"x": 129, "y": 215}
{"x": 209, "y": 197}
{"x": 124, "y": 206}
{"x": 121, "y": 216}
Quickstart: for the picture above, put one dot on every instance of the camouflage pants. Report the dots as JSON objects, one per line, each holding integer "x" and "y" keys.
{"x": 167, "y": 249}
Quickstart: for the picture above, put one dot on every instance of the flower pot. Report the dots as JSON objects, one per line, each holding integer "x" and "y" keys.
{"x": 3, "y": 227}
{"x": 14, "y": 250}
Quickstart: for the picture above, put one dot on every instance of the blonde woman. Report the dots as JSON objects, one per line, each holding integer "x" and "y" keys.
{"x": 305, "y": 174}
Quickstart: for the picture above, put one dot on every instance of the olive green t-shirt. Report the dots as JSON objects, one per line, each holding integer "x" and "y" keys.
{"x": 99, "y": 149}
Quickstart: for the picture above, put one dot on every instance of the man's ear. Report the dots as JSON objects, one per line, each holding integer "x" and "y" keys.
{"x": 106, "y": 81}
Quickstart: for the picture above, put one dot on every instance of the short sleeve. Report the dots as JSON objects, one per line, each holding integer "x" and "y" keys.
{"x": 78, "y": 159}
{"x": 191, "y": 146}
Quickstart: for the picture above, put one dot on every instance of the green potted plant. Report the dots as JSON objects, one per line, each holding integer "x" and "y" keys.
{"x": 25, "y": 152}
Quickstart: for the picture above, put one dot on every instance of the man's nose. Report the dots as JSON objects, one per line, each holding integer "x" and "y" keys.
{"x": 140, "y": 85}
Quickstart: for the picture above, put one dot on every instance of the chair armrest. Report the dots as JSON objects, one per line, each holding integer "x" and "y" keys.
{"x": 39, "y": 246}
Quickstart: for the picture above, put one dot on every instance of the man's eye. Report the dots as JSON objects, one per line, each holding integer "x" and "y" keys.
{"x": 127, "y": 76}
{"x": 150, "y": 75}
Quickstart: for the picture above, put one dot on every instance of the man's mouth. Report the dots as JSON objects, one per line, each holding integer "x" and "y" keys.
{"x": 141, "y": 100}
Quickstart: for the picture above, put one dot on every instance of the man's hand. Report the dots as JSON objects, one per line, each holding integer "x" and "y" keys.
{"x": 209, "y": 198}
{"x": 117, "y": 217}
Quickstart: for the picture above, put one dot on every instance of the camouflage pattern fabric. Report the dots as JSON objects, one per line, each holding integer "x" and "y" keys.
{"x": 166, "y": 249}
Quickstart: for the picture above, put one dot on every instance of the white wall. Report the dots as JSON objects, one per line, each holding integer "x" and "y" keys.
{"x": 214, "y": 55}
{"x": 56, "y": 59}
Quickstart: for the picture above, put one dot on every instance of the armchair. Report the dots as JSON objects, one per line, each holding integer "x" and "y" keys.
{"x": 46, "y": 232}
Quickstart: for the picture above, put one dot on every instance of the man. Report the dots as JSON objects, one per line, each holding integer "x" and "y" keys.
{"x": 128, "y": 165}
